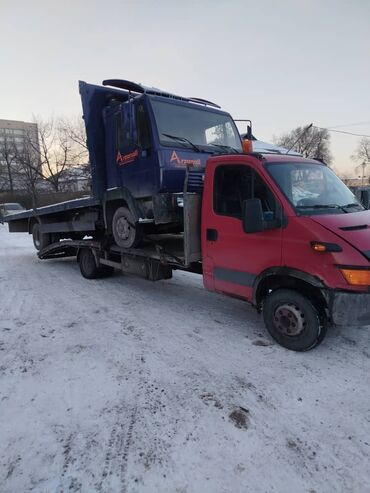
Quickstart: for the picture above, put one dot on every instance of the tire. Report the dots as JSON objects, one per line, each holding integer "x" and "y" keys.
{"x": 88, "y": 267}
{"x": 40, "y": 240}
{"x": 126, "y": 233}
{"x": 293, "y": 321}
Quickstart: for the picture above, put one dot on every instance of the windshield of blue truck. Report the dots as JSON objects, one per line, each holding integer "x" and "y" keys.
{"x": 313, "y": 188}
{"x": 202, "y": 127}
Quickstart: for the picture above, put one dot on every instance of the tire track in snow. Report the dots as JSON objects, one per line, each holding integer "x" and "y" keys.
{"x": 121, "y": 436}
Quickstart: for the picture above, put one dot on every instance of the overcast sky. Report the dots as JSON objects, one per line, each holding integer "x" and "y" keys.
{"x": 281, "y": 63}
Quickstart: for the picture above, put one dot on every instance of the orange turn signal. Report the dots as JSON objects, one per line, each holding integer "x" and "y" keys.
{"x": 318, "y": 247}
{"x": 356, "y": 277}
{"x": 321, "y": 246}
{"x": 247, "y": 146}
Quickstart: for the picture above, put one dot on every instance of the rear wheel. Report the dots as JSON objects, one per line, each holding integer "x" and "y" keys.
{"x": 293, "y": 320}
{"x": 88, "y": 267}
{"x": 126, "y": 233}
{"x": 40, "y": 240}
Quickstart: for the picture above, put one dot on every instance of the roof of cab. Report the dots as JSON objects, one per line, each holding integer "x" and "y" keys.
{"x": 287, "y": 158}
{"x": 264, "y": 157}
{"x": 141, "y": 89}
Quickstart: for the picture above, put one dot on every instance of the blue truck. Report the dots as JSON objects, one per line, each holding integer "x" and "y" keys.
{"x": 141, "y": 141}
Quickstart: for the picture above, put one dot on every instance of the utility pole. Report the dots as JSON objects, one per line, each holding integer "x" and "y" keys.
{"x": 363, "y": 165}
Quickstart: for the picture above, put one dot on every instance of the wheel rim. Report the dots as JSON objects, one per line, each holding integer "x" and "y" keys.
{"x": 123, "y": 228}
{"x": 289, "y": 320}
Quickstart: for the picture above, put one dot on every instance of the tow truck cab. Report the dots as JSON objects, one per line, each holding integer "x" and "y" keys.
{"x": 278, "y": 226}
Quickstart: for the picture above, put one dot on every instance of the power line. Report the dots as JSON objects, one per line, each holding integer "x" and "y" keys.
{"x": 349, "y": 124}
{"x": 342, "y": 132}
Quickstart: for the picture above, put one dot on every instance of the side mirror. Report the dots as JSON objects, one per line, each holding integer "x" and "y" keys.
{"x": 253, "y": 221}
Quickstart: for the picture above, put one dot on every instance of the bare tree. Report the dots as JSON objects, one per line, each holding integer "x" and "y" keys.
{"x": 362, "y": 157}
{"x": 8, "y": 154}
{"x": 362, "y": 152}
{"x": 75, "y": 129}
{"x": 310, "y": 142}
{"x": 53, "y": 153}
{"x": 27, "y": 169}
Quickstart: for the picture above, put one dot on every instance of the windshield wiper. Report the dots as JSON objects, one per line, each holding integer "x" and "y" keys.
{"x": 184, "y": 139}
{"x": 331, "y": 206}
{"x": 227, "y": 148}
{"x": 322, "y": 206}
{"x": 354, "y": 204}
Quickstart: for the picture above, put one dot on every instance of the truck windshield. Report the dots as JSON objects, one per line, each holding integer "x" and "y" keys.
{"x": 313, "y": 188}
{"x": 199, "y": 126}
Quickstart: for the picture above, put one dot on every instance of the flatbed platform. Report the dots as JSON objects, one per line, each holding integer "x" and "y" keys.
{"x": 54, "y": 208}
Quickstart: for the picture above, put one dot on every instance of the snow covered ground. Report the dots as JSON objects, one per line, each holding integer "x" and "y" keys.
{"x": 123, "y": 385}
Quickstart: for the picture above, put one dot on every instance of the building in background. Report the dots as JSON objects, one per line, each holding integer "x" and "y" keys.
{"x": 18, "y": 155}
{"x": 76, "y": 179}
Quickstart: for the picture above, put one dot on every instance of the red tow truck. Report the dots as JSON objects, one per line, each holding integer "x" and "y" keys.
{"x": 279, "y": 231}
{"x": 283, "y": 233}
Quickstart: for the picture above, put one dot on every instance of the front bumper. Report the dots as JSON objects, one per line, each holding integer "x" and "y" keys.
{"x": 350, "y": 308}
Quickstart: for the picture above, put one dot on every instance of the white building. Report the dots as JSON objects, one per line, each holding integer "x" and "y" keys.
{"x": 14, "y": 137}
{"x": 76, "y": 179}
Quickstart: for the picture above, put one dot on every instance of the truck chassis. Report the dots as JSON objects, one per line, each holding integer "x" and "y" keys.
{"x": 155, "y": 260}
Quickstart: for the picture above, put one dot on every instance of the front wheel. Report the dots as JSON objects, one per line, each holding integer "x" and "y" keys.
{"x": 293, "y": 320}
{"x": 126, "y": 233}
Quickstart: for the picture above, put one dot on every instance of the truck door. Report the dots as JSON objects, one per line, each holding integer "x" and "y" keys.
{"x": 133, "y": 152}
{"x": 126, "y": 150}
{"x": 147, "y": 158}
{"x": 233, "y": 259}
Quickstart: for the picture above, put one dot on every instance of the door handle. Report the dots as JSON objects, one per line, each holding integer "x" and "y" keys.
{"x": 212, "y": 234}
